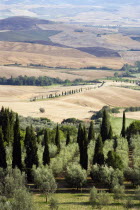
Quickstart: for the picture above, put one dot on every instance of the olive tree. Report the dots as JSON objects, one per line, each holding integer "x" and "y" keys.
{"x": 44, "y": 179}
{"x": 76, "y": 176}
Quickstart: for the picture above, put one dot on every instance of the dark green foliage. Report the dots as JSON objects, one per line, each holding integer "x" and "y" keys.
{"x": 105, "y": 126}
{"x": 57, "y": 138}
{"x": 38, "y": 81}
{"x": 82, "y": 141}
{"x": 7, "y": 122}
{"x": 31, "y": 151}
{"x": 16, "y": 162}
{"x": 46, "y": 155}
{"x": 114, "y": 160}
{"x": 123, "y": 126}
{"x": 99, "y": 114}
{"x": 110, "y": 135}
{"x": 132, "y": 109}
{"x": 3, "y": 163}
{"x": 133, "y": 129}
{"x": 83, "y": 150}
{"x": 79, "y": 136}
{"x": 98, "y": 154}
{"x": 68, "y": 137}
{"x": 72, "y": 120}
{"x": 91, "y": 132}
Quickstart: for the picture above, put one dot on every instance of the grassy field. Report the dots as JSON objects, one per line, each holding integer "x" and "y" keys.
{"x": 76, "y": 201}
{"x": 117, "y": 124}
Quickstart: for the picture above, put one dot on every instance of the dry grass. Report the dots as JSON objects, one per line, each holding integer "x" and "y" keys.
{"x": 25, "y": 53}
{"x": 8, "y": 71}
{"x": 80, "y": 105}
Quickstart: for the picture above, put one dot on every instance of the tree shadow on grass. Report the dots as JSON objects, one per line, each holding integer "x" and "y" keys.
{"x": 75, "y": 203}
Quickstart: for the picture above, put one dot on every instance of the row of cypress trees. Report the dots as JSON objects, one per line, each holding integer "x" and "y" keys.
{"x": 83, "y": 139}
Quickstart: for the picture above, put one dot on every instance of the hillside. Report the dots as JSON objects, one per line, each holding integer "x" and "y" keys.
{"x": 26, "y": 53}
{"x": 27, "y": 40}
{"x": 21, "y": 23}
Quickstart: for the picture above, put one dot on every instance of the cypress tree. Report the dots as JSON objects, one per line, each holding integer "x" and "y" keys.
{"x": 84, "y": 150}
{"x": 123, "y": 126}
{"x": 98, "y": 154}
{"x": 46, "y": 154}
{"x": 31, "y": 151}
{"x": 114, "y": 160}
{"x": 79, "y": 134}
{"x": 16, "y": 162}
{"x": 110, "y": 135}
{"x": 7, "y": 122}
{"x": 68, "y": 138}
{"x": 105, "y": 126}
{"x": 3, "y": 163}
{"x": 91, "y": 133}
{"x": 57, "y": 138}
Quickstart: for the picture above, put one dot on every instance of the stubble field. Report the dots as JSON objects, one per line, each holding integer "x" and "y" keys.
{"x": 79, "y": 105}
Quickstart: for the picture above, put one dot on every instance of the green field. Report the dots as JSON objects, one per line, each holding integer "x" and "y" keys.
{"x": 76, "y": 201}
{"x": 117, "y": 124}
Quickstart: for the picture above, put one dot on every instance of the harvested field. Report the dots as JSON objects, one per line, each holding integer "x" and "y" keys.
{"x": 26, "y": 53}
{"x": 85, "y": 74}
{"x": 79, "y": 105}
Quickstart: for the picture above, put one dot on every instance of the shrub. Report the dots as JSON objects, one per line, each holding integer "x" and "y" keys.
{"x": 5, "y": 204}
{"x": 53, "y": 204}
{"x": 107, "y": 176}
{"x": 44, "y": 179}
{"x": 42, "y": 110}
{"x": 119, "y": 192}
{"x": 103, "y": 199}
{"x": 76, "y": 176}
{"x": 10, "y": 181}
{"x": 93, "y": 197}
{"x": 137, "y": 193}
{"x": 22, "y": 200}
{"x": 133, "y": 175}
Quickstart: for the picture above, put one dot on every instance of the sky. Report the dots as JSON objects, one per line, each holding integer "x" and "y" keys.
{"x": 92, "y": 11}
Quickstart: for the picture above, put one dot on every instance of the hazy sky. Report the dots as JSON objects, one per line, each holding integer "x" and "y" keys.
{"x": 107, "y": 11}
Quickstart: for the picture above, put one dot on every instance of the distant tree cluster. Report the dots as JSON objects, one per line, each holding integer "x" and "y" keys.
{"x": 132, "y": 109}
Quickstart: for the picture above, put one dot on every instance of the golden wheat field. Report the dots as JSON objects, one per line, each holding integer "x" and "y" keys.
{"x": 14, "y": 71}
{"x": 79, "y": 105}
{"x": 26, "y": 53}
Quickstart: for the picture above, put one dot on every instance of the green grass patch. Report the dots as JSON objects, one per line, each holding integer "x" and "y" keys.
{"x": 76, "y": 201}
{"x": 116, "y": 123}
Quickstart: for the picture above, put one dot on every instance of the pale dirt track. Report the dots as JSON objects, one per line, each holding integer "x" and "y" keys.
{"x": 80, "y": 105}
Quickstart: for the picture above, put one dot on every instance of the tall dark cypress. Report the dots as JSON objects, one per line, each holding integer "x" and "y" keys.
{"x": 7, "y": 121}
{"x": 46, "y": 154}
{"x": 79, "y": 133}
{"x": 110, "y": 135}
{"x": 91, "y": 132}
{"x": 31, "y": 151}
{"x": 57, "y": 138}
{"x": 84, "y": 150}
{"x": 123, "y": 125}
{"x": 98, "y": 153}
{"x": 3, "y": 163}
{"x": 16, "y": 162}
{"x": 105, "y": 126}
{"x": 68, "y": 138}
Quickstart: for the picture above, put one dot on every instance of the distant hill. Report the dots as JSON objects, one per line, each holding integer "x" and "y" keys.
{"x": 21, "y": 23}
